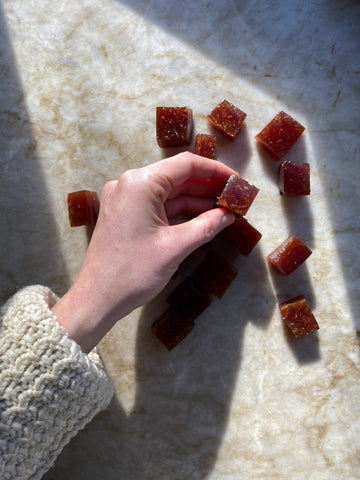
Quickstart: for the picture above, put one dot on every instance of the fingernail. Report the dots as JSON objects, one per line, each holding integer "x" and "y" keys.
{"x": 228, "y": 218}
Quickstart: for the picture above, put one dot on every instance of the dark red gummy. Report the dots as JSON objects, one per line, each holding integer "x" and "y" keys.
{"x": 288, "y": 256}
{"x": 227, "y": 119}
{"x": 174, "y": 126}
{"x": 194, "y": 256}
{"x": 279, "y": 135}
{"x": 237, "y": 195}
{"x": 83, "y": 207}
{"x": 298, "y": 316}
{"x": 205, "y": 145}
{"x": 294, "y": 178}
{"x": 214, "y": 274}
{"x": 188, "y": 300}
{"x": 171, "y": 329}
{"x": 241, "y": 236}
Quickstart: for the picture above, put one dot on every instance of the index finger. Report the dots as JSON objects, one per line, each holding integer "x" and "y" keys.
{"x": 180, "y": 168}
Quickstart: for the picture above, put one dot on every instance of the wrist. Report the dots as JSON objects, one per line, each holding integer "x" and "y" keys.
{"x": 86, "y": 316}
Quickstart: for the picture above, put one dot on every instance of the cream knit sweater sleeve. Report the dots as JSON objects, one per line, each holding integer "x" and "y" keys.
{"x": 49, "y": 389}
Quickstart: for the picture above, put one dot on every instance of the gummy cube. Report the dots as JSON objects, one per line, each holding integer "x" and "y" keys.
{"x": 279, "y": 135}
{"x": 188, "y": 300}
{"x": 237, "y": 195}
{"x": 83, "y": 208}
{"x": 288, "y": 256}
{"x": 174, "y": 126}
{"x": 294, "y": 178}
{"x": 298, "y": 316}
{"x": 171, "y": 329}
{"x": 205, "y": 145}
{"x": 227, "y": 119}
{"x": 241, "y": 236}
{"x": 214, "y": 274}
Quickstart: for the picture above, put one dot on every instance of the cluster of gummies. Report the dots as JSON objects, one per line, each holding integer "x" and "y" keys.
{"x": 214, "y": 274}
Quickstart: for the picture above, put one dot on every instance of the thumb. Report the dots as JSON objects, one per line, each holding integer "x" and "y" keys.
{"x": 201, "y": 229}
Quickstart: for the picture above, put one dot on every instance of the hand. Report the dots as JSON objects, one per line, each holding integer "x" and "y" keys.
{"x": 150, "y": 220}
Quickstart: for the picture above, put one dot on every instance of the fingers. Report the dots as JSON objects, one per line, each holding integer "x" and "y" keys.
{"x": 180, "y": 168}
{"x": 200, "y": 230}
{"x": 188, "y": 206}
{"x": 199, "y": 188}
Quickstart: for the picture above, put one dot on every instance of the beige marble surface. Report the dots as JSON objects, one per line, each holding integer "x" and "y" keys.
{"x": 239, "y": 399}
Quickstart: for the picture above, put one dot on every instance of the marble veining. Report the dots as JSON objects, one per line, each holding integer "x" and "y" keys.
{"x": 239, "y": 399}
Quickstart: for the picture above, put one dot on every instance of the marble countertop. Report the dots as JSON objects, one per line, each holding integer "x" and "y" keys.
{"x": 239, "y": 398}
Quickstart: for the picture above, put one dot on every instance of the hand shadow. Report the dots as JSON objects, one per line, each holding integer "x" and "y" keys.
{"x": 183, "y": 397}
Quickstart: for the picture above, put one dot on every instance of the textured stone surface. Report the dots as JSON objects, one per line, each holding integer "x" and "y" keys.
{"x": 238, "y": 399}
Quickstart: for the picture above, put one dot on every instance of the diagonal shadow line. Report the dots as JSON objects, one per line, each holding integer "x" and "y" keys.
{"x": 30, "y": 252}
{"x": 182, "y": 406}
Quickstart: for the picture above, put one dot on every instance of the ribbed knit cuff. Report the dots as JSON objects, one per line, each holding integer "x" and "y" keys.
{"x": 49, "y": 389}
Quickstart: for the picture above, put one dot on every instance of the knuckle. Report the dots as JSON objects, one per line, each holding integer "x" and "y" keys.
{"x": 135, "y": 176}
{"x": 108, "y": 188}
{"x": 208, "y": 228}
{"x": 127, "y": 177}
{"x": 188, "y": 155}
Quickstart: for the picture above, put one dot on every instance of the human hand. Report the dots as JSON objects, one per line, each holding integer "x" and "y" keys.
{"x": 150, "y": 220}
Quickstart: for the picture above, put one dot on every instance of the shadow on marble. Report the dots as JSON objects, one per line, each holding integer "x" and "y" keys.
{"x": 270, "y": 167}
{"x": 89, "y": 232}
{"x": 28, "y": 255}
{"x": 187, "y": 393}
{"x": 235, "y": 153}
{"x": 306, "y": 349}
{"x": 297, "y": 210}
{"x": 183, "y": 397}
{"x": 304, "y": 45}
{"x": 299, "y": 217}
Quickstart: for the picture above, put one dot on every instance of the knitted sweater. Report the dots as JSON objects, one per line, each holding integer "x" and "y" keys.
{"x": 49, "y": 389}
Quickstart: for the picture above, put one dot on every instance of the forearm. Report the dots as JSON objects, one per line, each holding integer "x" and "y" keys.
{"x": 91, "y": 307}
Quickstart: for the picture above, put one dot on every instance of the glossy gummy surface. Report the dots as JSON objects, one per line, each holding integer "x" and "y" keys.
{"x": 237, "y": 195}
{"x": 241, "y": 236}
{"x": 298, "y": 316}
{"x": 83, "y": 208}
{"x": 279, "y": 135}
{"x": 289, "y": 256}
{"x": 294, "y": 178}
{"x": 227, "y": 119}
{"x": 174, "y": 126}
{"x": 205, "y": 145}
